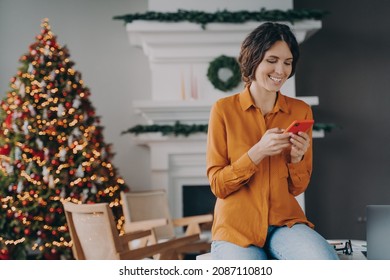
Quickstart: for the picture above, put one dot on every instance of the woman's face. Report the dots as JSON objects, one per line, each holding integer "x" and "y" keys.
{"x": 275, "y": 68}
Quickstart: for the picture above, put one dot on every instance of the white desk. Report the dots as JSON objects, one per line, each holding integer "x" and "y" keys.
{"x": 359, "y": 247}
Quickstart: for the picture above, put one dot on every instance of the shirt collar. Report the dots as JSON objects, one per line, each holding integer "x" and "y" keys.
{"x": 246, "y": 101}
{"x": 281, "y": 104}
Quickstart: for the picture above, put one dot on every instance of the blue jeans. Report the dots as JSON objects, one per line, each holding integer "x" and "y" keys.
{"x": 299, "y": 242}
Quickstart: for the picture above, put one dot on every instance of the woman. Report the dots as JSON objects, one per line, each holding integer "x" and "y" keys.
{"x": 255, "y": 168}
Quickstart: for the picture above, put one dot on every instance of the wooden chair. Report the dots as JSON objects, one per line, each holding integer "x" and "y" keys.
{"x": 95, "y": 236}
{"x": 146, "y": 205}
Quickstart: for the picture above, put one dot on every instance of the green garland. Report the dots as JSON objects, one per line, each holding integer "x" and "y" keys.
{"x": 224, "y": 62}
{"x": 225, "y": 16}
{"x": 176, "y": 129}
{"x": 185, "y": 129}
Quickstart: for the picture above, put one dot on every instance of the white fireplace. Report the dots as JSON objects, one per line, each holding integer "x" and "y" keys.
{"x": 179, "y": 55}
{"x": 176, "y": 162}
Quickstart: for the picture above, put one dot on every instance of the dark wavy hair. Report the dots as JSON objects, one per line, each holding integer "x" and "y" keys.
{"x": 260, "y": 40}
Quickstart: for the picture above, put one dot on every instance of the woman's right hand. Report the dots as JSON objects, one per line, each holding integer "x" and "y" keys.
{"x": 273, "y": 142}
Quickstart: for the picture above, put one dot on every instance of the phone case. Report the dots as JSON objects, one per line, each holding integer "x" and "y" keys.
{"x": 302, "y": 125}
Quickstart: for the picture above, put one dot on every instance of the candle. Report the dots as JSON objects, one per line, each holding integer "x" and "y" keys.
{"x": 183, "y": 90}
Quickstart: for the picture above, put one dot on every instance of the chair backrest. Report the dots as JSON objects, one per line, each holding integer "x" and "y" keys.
{"x": 93, "y": 231}
{"x": 148, "y": 205}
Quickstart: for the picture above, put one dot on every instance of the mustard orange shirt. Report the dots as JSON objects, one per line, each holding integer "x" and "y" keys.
{"x": 251, "y": 197}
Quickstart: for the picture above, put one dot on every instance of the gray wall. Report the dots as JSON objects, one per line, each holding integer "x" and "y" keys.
{"x": 346, "y": 64}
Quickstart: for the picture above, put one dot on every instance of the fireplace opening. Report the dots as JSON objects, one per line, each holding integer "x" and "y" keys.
{"x": 198, "y": 200}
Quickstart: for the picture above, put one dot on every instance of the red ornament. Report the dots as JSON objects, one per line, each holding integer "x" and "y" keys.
{"x": 51, "y": 256}
{"x": 49, "y": 219}
{"x": 39, "y": 154}
{"x": 5, "y": 150}
{"x": 9, "y": 214}
{"x": 27, "y": 231}
{"x": 21, "y": 217}
{"x": 4, "y": 254}
{"x": 8, "y": 121}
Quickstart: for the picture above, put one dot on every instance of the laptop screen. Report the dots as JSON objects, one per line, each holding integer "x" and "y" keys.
{"x": 378, "y": 232}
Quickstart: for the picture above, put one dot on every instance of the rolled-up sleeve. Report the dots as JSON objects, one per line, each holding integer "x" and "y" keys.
{"x": 300, "y": 172}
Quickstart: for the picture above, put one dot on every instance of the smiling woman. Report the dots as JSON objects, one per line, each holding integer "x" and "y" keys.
{"x": 255, "y": 170}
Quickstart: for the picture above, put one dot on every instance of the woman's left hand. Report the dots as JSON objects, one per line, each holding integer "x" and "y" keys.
{"x": 299, "y": 144}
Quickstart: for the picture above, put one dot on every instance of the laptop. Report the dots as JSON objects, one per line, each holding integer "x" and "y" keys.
{"x": 378, "y": 232}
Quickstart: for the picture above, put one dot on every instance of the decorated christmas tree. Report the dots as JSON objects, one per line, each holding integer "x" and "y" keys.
{"x": 51, "y": 149}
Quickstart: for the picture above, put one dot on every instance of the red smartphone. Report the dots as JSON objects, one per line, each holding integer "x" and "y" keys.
{"x": 302, "y": 125}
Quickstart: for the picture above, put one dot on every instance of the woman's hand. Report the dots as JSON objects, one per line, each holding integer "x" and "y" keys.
{"x": 299, "y": 144}
{"x": 273, "y": 142}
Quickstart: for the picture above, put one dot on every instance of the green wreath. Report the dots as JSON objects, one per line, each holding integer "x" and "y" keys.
{"x": 224, "y": 62}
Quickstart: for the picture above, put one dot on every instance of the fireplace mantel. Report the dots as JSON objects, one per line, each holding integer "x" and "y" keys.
{"x": 179, "y": 54}
{"x": 189, "y": 112}
{"x": 191, "y": 40}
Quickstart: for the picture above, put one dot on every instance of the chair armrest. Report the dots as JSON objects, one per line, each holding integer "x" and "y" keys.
{"x": 193, "y": 223}
{"x": 198, "y": 219}
{"x": 130, "y": 236}
{"x": 145, "y": 225}
{"x": 167, "y": 249}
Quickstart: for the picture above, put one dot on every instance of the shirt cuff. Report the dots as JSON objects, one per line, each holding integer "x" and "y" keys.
{"x": 297, "y": 168}
{"x": 244, "y": 164}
